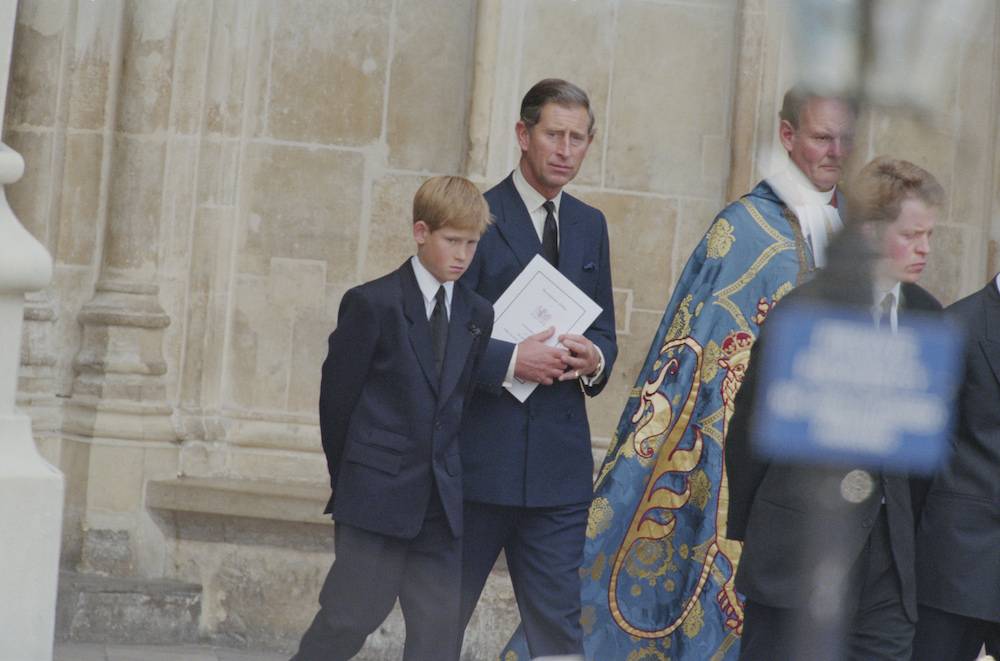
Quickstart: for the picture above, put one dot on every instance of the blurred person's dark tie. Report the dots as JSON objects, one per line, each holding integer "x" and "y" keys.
{"x": 885, "y": 312}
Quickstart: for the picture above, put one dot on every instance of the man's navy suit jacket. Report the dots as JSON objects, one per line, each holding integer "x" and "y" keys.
{"x": 536, "y": 453}
{"x": 389, "y": 426}
{"x": 958, "y": 541}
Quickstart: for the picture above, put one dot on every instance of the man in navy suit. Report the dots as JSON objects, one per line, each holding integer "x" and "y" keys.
{"x": 528, "y": 466}
{"x": 958, "y": 540}
{"x": 395, "y": 383}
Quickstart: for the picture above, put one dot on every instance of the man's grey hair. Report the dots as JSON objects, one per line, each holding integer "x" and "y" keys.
{"x": 558, "y": 91}
{"x": 798, "y": 96}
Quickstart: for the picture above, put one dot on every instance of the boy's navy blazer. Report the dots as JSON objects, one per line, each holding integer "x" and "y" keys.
{"x": 536, "y": 453}
{"x": 389, "y": 426}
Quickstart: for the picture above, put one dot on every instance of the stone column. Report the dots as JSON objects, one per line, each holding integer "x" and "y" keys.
{"x": 31, "y": 490}
{"x": 119, "y": 403}
{"x": 119, "y": 390}
{"x": 495, "y": 90}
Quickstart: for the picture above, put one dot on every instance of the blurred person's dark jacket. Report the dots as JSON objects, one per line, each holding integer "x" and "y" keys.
{"x": 958, "y": 539}
{"x": 777, "y": 509}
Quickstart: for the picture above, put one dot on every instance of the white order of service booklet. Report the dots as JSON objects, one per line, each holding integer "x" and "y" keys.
{"x": 539, "y": 298}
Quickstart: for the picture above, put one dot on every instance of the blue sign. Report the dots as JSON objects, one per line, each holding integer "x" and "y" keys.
{"x": 834, "y": 389}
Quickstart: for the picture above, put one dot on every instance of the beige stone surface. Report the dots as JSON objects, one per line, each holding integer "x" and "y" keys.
{"x": 232, "y": 37}
{"x": 310, "y": 329}
{"x": 259, "y": 584}
{"x": 89, "y": 76}
{"x": 429, "y": 84}
{"x": 147, "y": 66}
{"x": 676, "y": 59}
{"x": 327, "y": 71}
{"x": 694, "y": 220}
{"x": 624, "y": 304}
{"x": 390, "y": 233}
{"x": 286, "y": 467}
{"x": 114, "y": 480}
{"x": 177, "y": 202}
{"x": 188, "y": 78}
{"x": 928, "y": 146}
{"x": 79, "y": 215}
{"x": 218, "y": 174}
{"x": 35, "y": 75}
{"x": 301, "y": 203}
{"x": 583, "y": 56}
{"x": 641, "y": 232}
{"x": 205, "y": 315}
{"x": 261, "y": 341}
{"x": 134, "y": 207}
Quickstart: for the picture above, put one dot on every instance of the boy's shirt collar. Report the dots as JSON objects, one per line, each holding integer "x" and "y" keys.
{"x": 429, "y": 286}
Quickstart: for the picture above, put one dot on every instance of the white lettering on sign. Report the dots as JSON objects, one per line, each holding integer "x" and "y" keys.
{"x": 859, "y": 389}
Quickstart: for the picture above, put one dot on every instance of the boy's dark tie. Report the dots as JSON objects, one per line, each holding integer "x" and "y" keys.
{"x": 550, "y": 235}
{"x": 439, "y": 329}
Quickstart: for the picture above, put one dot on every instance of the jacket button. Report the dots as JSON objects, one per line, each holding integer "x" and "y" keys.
{"x": 438, "y": 425}
{"x": 867, "y": 523}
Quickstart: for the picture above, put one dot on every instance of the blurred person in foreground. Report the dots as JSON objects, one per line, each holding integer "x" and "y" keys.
{"x": 958, "y": 538}
{"x": 658, "y": 568}
{"x": 782, "y": 511}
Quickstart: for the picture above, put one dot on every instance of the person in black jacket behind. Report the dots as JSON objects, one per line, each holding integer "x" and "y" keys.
{"x": 958, "y": 539}
{"x": 781, "y": 511}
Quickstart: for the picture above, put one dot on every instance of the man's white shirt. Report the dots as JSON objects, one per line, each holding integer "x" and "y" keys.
{"x": 533, "y": 202}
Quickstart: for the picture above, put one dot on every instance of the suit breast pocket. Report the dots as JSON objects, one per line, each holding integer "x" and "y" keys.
{"x": 587, "y": 277}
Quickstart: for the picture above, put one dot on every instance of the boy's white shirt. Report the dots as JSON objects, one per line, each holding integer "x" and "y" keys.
{"x": 429, "y": 287}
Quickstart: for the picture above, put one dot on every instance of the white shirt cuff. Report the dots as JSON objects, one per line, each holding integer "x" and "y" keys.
{"x": 508, "y": 378}
{"x": 598, "y": 376}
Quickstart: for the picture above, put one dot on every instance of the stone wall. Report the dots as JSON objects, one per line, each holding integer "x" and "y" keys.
{"x": 211, "y": 176}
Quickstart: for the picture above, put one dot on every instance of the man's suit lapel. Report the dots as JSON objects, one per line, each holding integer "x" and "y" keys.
{"x": 991, "y": 338}
{"x": 420, "y": 330}
{"x": 461, "y": 333}
{"x": 515, "y": 225}
{"x": 570, "y": 240}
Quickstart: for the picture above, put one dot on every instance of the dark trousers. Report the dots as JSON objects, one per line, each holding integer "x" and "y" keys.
{"x": 943, "y": 636}
{"x": 544, "y": 550}
{"x": 875, "y": 628}
{"x": 369, "y": 572}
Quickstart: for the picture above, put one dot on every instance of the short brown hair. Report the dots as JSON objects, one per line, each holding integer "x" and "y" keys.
{"x": 557, "y": 91}
{"x": 448, "y": 201}
{"x": 797, "y": 97}
{"x": 880, "y": 188}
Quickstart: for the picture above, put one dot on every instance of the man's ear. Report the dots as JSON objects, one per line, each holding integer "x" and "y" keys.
{"x": 420, "y": 232}
{"x": 523, "y": 134}
{"x": 786, "y": 133}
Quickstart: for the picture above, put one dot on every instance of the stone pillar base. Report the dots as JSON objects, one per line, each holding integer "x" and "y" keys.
{"x": 119, "y": 390}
